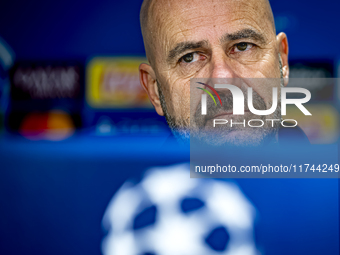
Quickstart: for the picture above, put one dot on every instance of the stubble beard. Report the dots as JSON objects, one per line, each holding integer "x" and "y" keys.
{"x": 237, "y": 135}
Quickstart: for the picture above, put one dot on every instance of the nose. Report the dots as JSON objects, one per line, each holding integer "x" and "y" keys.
{"x": 221, "y": 66}
{"x": 224, "y": 71}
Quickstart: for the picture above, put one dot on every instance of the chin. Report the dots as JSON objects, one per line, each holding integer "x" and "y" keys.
{"x": 238, "y": 138}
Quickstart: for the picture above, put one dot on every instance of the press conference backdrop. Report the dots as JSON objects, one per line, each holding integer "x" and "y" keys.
{"x": 75, "y": 125}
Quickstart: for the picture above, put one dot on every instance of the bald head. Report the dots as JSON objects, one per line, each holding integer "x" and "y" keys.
{"x": 153, "y": 13}
{"x": 208, "y": 39}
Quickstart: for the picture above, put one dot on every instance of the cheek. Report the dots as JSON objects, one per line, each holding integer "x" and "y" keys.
{"x": 269, "y": 66}
{"x": 269, "y": 72}
{"x": 181, "y": 103}
{"x": 264, "y": 87}
{"x": 178, "y": 97}
{"x": 265, "y": 67}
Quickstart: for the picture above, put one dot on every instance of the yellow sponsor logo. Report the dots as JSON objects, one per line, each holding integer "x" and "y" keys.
{"x": 114, "y": 83}
{"x": 322, "y": 127}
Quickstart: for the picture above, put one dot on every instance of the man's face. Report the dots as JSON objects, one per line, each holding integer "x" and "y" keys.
{"x": 211, "y": 39}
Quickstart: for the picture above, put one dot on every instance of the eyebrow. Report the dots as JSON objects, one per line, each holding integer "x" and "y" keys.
{"x": 184, "y": 46}
{"x": 246, "y": 33}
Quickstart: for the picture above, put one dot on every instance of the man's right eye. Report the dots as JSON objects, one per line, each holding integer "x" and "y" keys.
{"x": 190, "y": 57}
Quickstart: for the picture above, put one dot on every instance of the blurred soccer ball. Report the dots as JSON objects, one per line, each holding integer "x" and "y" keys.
{"x": 168, "y": 213}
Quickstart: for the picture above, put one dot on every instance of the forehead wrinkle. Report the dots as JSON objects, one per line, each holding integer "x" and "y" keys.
{"x": 188, "y": 8}
{"x": 265, "y": 14}
{"x": 193, "y": 19}
{"x": 260, "y": 23}
{"x": 161, "y": 17}
{"x": 179, "y": 11}
{"x": 242, "y": 34}
{"x": 254, "y": 26}
{"x": 252, "y": 15}
{"x": 182, "y": 31}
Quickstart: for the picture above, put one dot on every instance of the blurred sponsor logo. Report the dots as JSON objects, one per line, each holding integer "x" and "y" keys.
{"x": 54, "y": 125}
{"x": 322, "y": 127}
{"x": 114, "y": 83}
{"x": 45, "y": 82}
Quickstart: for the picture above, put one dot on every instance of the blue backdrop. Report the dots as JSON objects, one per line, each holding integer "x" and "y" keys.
{"x": 53, "y": 194}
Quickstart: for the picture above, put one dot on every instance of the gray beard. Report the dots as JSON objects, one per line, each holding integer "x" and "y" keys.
{"x": 267, "y": 133}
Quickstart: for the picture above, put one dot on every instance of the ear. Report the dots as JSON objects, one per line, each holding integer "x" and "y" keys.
{"x": 282, "y": 42}
{"x": 148, "y": 81}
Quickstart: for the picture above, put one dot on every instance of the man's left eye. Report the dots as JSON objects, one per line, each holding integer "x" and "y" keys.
{"x": 243, "y": 46}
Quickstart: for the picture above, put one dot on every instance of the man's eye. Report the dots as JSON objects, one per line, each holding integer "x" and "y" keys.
{"x": 243, "y": 47}
{"x": 190, "y": 57}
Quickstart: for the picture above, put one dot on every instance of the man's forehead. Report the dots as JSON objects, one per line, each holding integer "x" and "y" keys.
{"x": 173, "y": 21}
